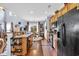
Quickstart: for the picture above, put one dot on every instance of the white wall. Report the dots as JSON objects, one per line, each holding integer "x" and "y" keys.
{"x": 45, "y": 31}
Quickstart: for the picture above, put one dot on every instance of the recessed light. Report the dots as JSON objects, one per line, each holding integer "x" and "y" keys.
{"x": 31, "y": 12}
{"x": 1, "y": 7}
{"x": 10, "y": 13}
{"x": 15, "y": 15}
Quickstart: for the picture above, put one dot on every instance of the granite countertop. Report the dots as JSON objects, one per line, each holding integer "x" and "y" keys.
{"x": 27, "y": 35}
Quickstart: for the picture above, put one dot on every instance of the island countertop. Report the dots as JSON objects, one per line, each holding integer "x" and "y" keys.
{"x": 25, "y": 35}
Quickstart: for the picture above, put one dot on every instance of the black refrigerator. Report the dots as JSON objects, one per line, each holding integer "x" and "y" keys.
{"x": 68, "y": 29}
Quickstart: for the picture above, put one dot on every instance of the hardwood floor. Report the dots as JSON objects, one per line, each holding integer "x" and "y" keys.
{"x": 47, "y": 49}
{"x": 41, "y": 48}
{"x": 36, "y": 49}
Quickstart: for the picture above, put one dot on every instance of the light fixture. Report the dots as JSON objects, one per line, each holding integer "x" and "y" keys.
{"x": 15, "y": 15}
{"x": 31, "y": 12}
{"x": 10, "y": 13}
{"x": 1, "y": 7}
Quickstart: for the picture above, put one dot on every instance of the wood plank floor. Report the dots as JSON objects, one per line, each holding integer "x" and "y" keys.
{"x": 36, "y": 49}
{"x": 41, "y": 48}
{"x": 47, "y": 49}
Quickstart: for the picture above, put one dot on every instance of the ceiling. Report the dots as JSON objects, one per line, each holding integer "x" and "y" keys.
{"x": 32, "y": 11}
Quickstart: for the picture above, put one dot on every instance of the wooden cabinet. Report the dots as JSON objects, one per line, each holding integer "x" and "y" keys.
{"x": 30, "y": 39}
{"x": 24, "y": 46}
{"x": 21, "y": 44}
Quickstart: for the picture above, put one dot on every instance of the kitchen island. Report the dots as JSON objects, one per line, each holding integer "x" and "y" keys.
{"x": 21, "y": 44}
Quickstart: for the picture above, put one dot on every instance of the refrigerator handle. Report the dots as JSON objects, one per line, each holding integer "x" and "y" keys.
{"x": 64, "y": 34}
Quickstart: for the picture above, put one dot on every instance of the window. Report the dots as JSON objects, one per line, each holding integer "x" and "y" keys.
{"x": 8, "y": 27}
